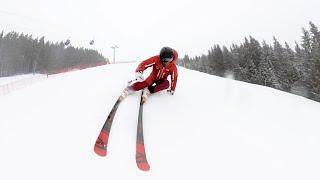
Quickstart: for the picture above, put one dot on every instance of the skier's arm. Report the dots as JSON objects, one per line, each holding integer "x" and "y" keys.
{"x": 174, "y": 78}
{"x": 174, "y": 73}
{"x": 146, "y": 64}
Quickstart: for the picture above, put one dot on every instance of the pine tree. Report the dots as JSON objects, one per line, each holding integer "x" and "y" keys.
{"x": 229, "y": 64}
{"x": 186, "y": 61}
{"x": 285, "y": 71}
{"x": 218, "y": 68}
{"x": 266, "y": 69}
{"x": 315, "y": 41}
{"x": 249, "y": 59}
{"x": 314, "y": 81}
{"x": 306, "y": 44}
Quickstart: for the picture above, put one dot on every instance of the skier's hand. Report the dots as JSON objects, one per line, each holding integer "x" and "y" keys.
{"x": 139, "y": 76}
{"x": 171, "y": 92}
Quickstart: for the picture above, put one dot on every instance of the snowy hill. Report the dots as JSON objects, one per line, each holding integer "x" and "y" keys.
{"x": 212, "y": 128}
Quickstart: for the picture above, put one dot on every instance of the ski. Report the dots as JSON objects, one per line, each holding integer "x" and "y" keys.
{"x": 101, "y": 144}
{"x": 141, "y": 158}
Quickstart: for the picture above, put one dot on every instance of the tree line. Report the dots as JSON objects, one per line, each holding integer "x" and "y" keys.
{"x": 23, "y": 54}
{"x": 277, "y": 66}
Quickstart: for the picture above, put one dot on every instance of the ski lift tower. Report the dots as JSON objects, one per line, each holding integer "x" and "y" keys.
{"x": 114, "y": 53}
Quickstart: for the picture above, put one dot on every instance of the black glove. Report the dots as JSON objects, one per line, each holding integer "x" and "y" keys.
{"x": 171, "y": 92}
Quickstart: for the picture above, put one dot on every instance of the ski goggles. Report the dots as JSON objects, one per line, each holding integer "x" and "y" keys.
{"x": 167, "y": 60}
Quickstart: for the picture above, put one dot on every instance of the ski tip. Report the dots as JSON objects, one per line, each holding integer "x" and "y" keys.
{"x": 141, "y": 158}
{"x": 100, "y": 146}
{"x": 99, "y": 151}
{"x": 143, "y": 166}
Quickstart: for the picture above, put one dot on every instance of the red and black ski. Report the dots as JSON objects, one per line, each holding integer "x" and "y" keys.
{"x": 141, "y": 158}
{"x": 101, "y": 144}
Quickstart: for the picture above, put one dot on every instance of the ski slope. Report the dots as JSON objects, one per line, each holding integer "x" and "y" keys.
{"x": 212, "y": 128}
{"x": 12, "y": 83}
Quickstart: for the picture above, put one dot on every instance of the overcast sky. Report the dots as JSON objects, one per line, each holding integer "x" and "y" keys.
{"x": 141, "y": 27}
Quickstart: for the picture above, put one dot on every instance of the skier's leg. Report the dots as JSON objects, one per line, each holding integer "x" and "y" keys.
{"x": 139, "y": 85}
{"x": 143, "y": 84}
{"x": 156, "y": 86}
{"x": 159, "y": 86}
{"x": 132, "y": 87}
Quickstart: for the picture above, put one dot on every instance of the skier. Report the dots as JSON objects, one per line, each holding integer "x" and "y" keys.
{"x": 162, "y": 65}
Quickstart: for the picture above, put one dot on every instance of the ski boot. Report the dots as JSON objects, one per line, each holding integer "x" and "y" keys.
{"x": 126, "y": 92}
{"x": 146, "y": 94}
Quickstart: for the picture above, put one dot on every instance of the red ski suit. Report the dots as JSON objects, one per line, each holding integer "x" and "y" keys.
{"x": 158, "y": 75}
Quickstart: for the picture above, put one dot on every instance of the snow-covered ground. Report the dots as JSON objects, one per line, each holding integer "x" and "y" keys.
{"x": 12, "y": 83}
{"x": 212, "y": 128}
{"x": 10, "y": 79}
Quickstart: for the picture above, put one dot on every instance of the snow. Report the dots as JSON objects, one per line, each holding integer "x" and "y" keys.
{"x": 212, "y": 128}
{"x": 10, "y": 79}
{"x": 13, "y": 83}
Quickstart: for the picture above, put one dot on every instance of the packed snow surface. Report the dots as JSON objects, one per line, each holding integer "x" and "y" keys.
{"x": 212, "y": 128}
